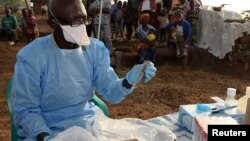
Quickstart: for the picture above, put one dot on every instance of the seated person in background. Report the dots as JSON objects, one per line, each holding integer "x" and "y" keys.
{"x": 147, "y": 35}
{"x": 181, "y": 34}
{"x": 163, "y": 20}
{"x": 22, "y": 26}
{"x": 32, "y": 30}
{"x": 55, "y": 77}
{"x": 9, "y": 25}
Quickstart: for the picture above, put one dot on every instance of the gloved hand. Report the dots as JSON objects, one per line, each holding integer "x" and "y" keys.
{"x": 133, "y": 76}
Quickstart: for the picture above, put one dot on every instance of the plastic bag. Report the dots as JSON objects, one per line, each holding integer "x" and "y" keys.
{"x": 107, "y": 129}
{"x": 75, "y": 133}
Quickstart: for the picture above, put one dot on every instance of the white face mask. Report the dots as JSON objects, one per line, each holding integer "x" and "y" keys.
{"x": 77, "y": 35}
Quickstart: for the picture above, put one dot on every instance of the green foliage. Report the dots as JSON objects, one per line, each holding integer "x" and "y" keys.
{"x": 15, "y": 3}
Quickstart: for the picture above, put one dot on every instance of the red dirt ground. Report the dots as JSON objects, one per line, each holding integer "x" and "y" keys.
{"x": 206, "y": 76}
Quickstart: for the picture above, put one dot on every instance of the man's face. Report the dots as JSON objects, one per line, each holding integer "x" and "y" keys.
{"x": 178, "y": 18}
{"x": 68, "y": 12}
{"x": 8, "y": 12}
{"x": 119, "y": 4}
{"x": 192, "y": 4}
{"x": 24, "y": 12}
{"x": 158, "y": 5}
{"x": 30, "y": 12}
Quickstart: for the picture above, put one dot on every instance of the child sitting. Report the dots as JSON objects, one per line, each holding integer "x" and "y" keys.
{"x": 32, "y": 31}
{"x": 163, "y": 20}
{"x": 176, "y": 40}
{"x": 181, "y": 33}
{"x": 146, "y": 36}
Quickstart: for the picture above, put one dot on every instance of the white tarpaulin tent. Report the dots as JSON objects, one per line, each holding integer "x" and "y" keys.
{"x": 216, "y": 35}
{"x": 235, "y": 5}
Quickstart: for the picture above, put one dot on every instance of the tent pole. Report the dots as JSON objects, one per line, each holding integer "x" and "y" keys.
{"x": 100, "y": 21}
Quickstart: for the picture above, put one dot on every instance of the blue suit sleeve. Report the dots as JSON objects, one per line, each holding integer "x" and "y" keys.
{"x": 25, "y": 94}
{"x": 106, "y": 81}
{"x": 188, "y": 30}
{"x": 139, "y": 35}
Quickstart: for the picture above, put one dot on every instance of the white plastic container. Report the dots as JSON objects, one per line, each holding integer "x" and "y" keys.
{"x": 202, "y": 122}
{"x": 247, "y": 115}
{"x": 230, "y": 99}
{"x": 242, "y": 102}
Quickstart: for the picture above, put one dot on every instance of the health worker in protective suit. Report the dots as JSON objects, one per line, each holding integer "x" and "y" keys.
{"x": 55, "y": 76}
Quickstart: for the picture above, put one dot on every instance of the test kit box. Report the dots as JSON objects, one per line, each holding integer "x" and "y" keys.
{"x": 187, "y": 114}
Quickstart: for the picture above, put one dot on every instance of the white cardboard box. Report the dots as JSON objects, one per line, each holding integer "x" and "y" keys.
{"x": 201, "y": 125}
{"x": 187, "y": 113}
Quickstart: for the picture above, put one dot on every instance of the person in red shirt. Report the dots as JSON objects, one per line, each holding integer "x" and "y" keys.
{"x": 32, "y": 31}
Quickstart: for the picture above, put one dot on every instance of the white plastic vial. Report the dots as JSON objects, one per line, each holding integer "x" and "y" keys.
{"x": 242, "y": 102}
{"x": 230, "y": 99}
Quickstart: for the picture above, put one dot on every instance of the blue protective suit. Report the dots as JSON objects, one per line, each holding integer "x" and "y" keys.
{"x": 52, "y": 87}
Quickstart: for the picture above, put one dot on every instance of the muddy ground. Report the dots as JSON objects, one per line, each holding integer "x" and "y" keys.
{"x": 206, "y": 76}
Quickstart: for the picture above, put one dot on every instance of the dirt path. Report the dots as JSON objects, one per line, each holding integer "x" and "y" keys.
{"x": 7, "y": 60}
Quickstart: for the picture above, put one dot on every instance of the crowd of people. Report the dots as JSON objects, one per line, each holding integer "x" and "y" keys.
{"x": 169, "y": 23}
{"x": 12, "y": 27}
{"x": 124, "y": 21}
